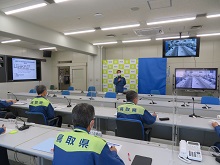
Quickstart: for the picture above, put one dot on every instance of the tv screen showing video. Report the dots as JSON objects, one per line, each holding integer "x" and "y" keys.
{"x": 184, "y": 47}
{"x": 196, "y": 78}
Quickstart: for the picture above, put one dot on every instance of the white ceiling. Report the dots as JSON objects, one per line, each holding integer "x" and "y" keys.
{"x": 79, "y": 14}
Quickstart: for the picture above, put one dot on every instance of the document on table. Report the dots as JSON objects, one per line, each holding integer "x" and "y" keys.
{"x": 45, "y": 146}
{"x": 117, "y": 146}
{"x": 20, "y": 103}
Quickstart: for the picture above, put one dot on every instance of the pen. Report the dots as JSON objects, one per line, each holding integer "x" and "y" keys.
{"x": 129, "y": 158}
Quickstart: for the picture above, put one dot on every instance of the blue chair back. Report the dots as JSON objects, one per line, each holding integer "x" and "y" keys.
{"x": 71, "y": 88}
{"x": 130, "y": 128}
{"x": 210, "y": 100}
{"x": 155, "y": 92}
{"x": 36, "y": 117}
{"x": 65, "y": 93}
{"x": 91, "y": 94}
{"x": 91, "y": 88}
{"x": 32, "y": 91}
{"x": 110, "y": 95}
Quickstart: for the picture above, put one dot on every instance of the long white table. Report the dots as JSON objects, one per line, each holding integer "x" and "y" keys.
{"x": 160, "y": 154}
{"x": 161, "y": 106}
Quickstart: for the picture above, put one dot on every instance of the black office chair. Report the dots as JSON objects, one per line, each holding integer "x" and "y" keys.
{"x": 3, "y": 113}
{"x": 133, "y": 129}
{"x": 39, "y": 118}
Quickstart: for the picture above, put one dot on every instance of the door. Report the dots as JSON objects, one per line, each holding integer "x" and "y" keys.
{"x": 78, "y": 77}
{"x": 64, "y": 77}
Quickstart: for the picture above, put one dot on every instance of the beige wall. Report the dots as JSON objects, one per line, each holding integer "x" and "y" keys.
{"x": 25, "y": 86}
{"x": 209, "y": 57}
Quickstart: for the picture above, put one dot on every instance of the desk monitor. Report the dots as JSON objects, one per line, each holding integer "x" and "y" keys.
{"x": 196, "y": 78}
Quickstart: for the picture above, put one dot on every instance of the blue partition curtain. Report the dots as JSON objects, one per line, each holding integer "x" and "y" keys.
{"x": 152, "y": 75}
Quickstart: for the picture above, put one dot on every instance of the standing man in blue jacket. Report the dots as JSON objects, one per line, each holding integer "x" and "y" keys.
{"x": 3, "y": 151}
{"x": 79, "y": 147}
{"x": 119, "y": 82}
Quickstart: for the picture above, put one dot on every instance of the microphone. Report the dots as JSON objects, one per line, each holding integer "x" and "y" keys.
{"x": 206, "y": 107}
{"x": 184, "y": 105}
{"x": 24, "y": 127}
{"x": 69, "y": 102}
{"x": 193, "y": 115}
{"x": 14, "y": 96}
{"x": 152, "y": 102}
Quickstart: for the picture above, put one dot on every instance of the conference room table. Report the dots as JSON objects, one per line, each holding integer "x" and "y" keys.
{"x": 161, "y": 154}
{"x": 183, "y": 126}
{"x": 160, "y": 106}
{"x": 143, "y": 96}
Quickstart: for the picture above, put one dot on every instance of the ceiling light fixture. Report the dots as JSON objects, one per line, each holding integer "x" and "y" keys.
{"x": 207, "y": 35}
{"x": 141, "y": 40}
{"x": 59, "y": 1}
{"x": 10, "y": 41}
{"x": 120, "y": 27}
{"x": 105, "y": 43}
{"x": 165, "y": 38}
{"x": 171, "y": 21}
{"x": 213, "y": 16}
{"x": 79, "y": 32}
{"x": 49, "y": 48}
{"x": 24, "y": 7}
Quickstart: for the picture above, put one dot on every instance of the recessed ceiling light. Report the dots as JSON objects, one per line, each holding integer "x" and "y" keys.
{"x": 164, "y": 38}
{"x": 24, "y": 7}
{"x": 59, "y": 1}
{"x": 10, "y": 41}
{"x": 171, "y": 21}
{"x": 140, "y": 40}
{"x": 105, "y": 43}
{"x": 207, "y": 35}
{"x": 49, "y": 48}
{"x": 213, "y": 16}
{"x": 79, "y": 32}
{"x": 120, "y": 26}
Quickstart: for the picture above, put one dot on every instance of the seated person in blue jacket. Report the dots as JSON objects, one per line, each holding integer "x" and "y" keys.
{"x": 131, "y": 110}
{"x": 6, "y": 104}
{"x": 119, "y": 82}
{"x": 3, "y": 151}
{"x": 43, "y": 105}
{"x": 79, "y": 147}
{"x": 217, "y": 130}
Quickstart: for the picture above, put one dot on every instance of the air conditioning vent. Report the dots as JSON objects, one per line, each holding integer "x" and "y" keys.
{"x": 149, "y": 31}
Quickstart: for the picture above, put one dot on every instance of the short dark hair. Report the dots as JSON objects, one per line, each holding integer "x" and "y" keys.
{"x": 40, "y": 89}
{"x": 118, "y": 71}
{"x": 131, "y": 95}
{"x": 82, "y": 115}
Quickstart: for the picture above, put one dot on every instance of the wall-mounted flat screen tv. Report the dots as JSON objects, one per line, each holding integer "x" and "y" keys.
{"x": 196, "y": 78}
{"x": 23, "y": 69}
{"x": 183, "y": 47}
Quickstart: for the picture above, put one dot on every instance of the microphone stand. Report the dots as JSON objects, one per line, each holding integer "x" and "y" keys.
{"x": 193, "y": 115}
{"x": 69, "y": 102}
{"x": 13, "y": 95}
{"x": 152, "y": 102}
{"x": 24, "y": 127}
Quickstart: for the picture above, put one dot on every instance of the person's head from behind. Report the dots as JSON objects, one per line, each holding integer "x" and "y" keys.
{"x": 132, "y": 96}
{"x": 83, "y": 116}
{"x": 41, "y": 90}
{"x": 119, "y": 72}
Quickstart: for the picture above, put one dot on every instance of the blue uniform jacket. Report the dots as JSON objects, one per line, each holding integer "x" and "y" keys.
{"x": 119, "y": 85}
{"x": 42, "y": 105}
{"x": 4, "y": 104}
{"x": 132, "y": 111}
{"x": 79, "y": 148}
{"x": 1, "y": 130}
{"x": 217, "y": 130}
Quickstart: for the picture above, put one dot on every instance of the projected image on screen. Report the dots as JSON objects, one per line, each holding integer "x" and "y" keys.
{"x": 196, "y": 78}
{"x": 24, "y": 69}
{"x": 181, "y": 47}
